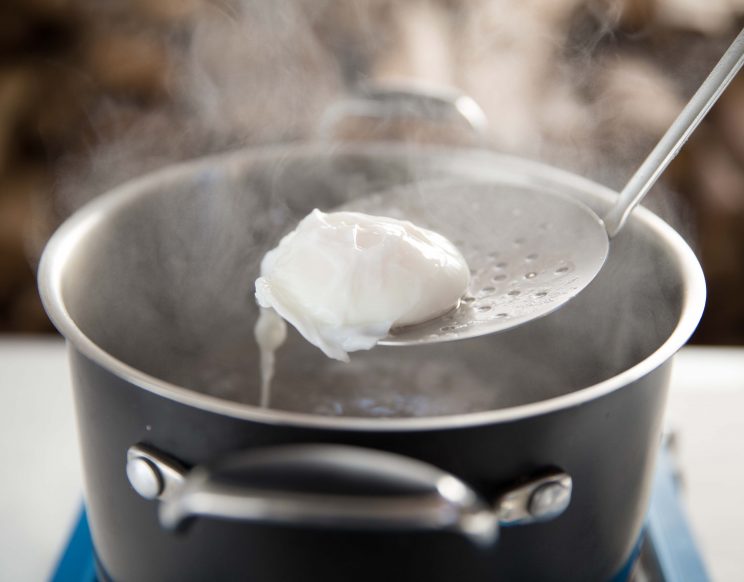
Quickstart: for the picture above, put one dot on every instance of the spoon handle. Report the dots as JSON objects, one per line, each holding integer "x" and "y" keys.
{"x": 676, "y": 136}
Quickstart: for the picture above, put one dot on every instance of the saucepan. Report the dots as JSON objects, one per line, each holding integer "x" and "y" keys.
{"x": 523, "y": 455}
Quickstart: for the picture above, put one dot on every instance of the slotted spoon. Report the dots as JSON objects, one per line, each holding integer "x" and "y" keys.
{"x": 535, "y": 250}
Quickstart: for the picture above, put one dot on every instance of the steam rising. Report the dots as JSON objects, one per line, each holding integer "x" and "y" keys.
{"x": 245, "y": 72}
{"x": 258, "y": 72}
{"x": 251, "y": 73}
{"x": 241, "y": 73}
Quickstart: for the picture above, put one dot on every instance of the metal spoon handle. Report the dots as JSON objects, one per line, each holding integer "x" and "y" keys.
{"x": 676, "y": 136}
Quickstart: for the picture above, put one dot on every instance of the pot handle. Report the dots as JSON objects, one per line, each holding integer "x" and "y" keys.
{"x": 339, "y": 486}
{"x": 405, "y": 108}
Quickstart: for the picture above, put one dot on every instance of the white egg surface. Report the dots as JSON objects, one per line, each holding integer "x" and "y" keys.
{"x": 344, "y": 279}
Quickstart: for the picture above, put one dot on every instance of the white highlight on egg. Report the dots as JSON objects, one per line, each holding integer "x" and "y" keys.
{"x": 344, "y": 279}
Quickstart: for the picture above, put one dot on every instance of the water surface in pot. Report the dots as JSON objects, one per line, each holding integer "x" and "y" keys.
{"x": 164, "y": 283}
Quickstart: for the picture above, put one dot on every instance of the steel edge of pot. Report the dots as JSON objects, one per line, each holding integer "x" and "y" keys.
{"x": 63, "y": 241}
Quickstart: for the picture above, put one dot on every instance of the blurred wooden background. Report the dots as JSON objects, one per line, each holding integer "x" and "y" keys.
{"x": 92, "y": 93}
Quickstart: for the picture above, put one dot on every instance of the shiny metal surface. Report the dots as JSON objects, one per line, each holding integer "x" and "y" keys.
{"x": 144, "y": 477}
{"x": 153, "y": 475}
{"x": 529, "y": 251}
{"x": 174, "y": 256}
{"x": 413, "y": 495}
{"x": 551, "y": 498}
{"x": 537, "y": 500}
{"x": 386, "y": 102}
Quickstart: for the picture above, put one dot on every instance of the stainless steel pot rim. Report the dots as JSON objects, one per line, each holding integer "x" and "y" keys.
{"x": 63, "y": 242}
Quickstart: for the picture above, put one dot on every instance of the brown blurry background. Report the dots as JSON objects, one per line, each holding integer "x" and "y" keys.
{"x": 93, "y": 92}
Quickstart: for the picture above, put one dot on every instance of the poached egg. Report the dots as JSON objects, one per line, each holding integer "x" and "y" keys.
{"x": 345, "y": 279}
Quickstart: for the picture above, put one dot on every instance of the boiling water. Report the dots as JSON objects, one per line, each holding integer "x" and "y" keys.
{"x": 433, "y": 380}
{"x": 370, "y": 385}
{"x": 377, "y": 383}
{"x": 174, "y": 275}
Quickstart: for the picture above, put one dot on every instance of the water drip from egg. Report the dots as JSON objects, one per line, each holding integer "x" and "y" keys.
{"x": 270, "y": 333}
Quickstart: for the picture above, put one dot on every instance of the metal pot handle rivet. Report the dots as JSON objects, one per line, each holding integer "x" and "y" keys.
{"x": 550, "y": 499}
{"x": 144, "y": 477}
{"x": 539, "y": 499}
{"x": 152, "y": 474}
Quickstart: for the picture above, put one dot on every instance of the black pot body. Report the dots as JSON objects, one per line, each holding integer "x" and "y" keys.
{"x": 581, "y": 390}
{"x": 607, "y": 445}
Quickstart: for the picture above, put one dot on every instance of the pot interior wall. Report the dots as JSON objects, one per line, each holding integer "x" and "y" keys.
{"x": 165, "y": 284}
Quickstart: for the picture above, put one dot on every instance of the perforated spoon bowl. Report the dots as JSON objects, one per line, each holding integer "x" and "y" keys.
{"x": 531, "y": 252}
